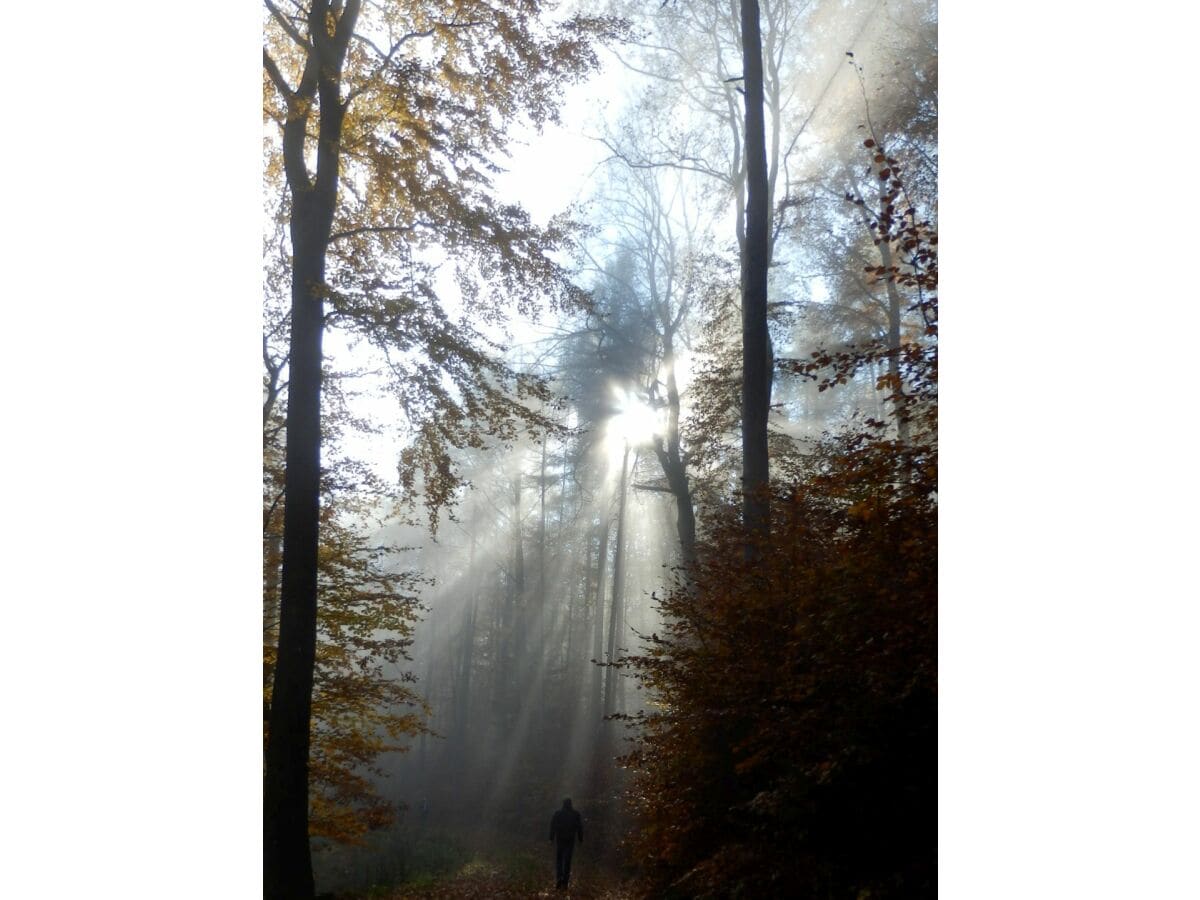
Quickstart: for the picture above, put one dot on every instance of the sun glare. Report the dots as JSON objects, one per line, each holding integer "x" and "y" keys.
{"x": 684, "y": 361}
{"x": 633, "y": 424}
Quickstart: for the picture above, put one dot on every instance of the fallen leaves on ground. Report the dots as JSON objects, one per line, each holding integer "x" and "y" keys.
{"x": 494, "y": 884}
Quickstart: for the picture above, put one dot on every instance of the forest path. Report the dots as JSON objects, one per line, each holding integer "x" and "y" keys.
{"x": 494, "y": 884}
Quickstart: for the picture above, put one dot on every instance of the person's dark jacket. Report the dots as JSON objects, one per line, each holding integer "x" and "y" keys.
{"x": 565, "y": 825}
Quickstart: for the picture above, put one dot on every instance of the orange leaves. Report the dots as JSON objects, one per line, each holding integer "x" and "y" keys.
{"x": 800, "y": 687}
{"x": 864, "y": 510}
{"x": 366, "y": 613}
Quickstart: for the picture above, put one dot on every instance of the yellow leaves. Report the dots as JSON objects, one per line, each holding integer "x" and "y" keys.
{"x": 865, "y": 511}
{"x": 450, "y": 76}
{"x": 365, "y": 618}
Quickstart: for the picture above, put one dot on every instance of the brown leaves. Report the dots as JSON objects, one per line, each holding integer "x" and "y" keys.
{"x": 366, "y": 615}
{"x": 798, "y": 687}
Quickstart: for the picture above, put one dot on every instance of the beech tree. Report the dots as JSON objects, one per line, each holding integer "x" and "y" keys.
{"x": 738, "y": 81}
{"x": 791, "y": 746}
{"x": 771, "y": 207}
{"x": 846, "y": 203}
{"x": 693, "y": 58}
{"x": 391, "y": 122}
{"x": 757, "y": 364}
{"x": 656, "y": 273}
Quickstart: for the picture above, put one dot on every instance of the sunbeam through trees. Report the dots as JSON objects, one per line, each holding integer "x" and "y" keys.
{"x": 634, "y": 504}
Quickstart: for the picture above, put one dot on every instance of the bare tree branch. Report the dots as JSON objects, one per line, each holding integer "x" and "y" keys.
{"x": 276, "y": 76}
{"x": 286, "y": 25}
{"x": 663, "y": 164}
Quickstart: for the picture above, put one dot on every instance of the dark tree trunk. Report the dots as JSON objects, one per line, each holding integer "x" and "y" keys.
{"x": 756, "y": 341}
{"x": 287, "y": 862}
{"x": 685, "y": 513}
{"x": 670, "y": 458}
{"x": 287, "y": 859}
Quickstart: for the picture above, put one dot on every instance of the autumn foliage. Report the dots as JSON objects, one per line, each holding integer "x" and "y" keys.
{"x": 788, "y": 747}
{"x": 361, "y": 707}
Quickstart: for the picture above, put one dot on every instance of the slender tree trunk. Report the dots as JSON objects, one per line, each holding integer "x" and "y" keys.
{"x": 542, "y": 649}
{"x": 466, "y": 663}
{"x": 429, "y": 681}
{"x": 468, "y": 645}
{"x": 893, "y": 339}
{"x": 756, "y": 341}
{"x": 497, "y": 645}
{"x": 512, "y": 678}
{"x": 617, "y": 615}
{"x": 597, "y": 704}
{"x": 518, "y": 544}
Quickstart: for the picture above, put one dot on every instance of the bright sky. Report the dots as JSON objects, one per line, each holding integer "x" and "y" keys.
{"x": 546, "y": 173}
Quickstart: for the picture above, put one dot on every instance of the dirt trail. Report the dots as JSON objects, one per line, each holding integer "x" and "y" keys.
{"x": 498, "y": 886}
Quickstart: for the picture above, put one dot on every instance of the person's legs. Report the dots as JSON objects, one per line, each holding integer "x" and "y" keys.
{"x": 566, "y": 874}
{"x": 562, "y": 864}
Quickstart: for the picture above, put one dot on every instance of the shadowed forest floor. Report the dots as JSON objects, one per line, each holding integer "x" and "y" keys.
{"x": 504, "y": 875}
{"x": 487, "y": 882}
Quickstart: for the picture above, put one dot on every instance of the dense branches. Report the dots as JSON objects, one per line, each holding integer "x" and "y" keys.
{"x": 363, "y": 704}
{"x": 792, "y": 738}
{"x": 403, "y": 115}
{"x": 744, "y": 380}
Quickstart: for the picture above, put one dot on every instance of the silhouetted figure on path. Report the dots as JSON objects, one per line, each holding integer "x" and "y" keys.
{"x": 565, "y": 826}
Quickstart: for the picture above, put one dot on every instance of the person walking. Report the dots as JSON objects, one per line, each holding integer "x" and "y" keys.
{"x": 565, "y": 825}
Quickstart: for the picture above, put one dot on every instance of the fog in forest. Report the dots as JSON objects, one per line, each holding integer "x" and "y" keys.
{"x": 525, "y": 559}
{"x": 526, "y": 595}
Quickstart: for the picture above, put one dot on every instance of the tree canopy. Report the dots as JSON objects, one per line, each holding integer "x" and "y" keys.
{"x": 678, "y": 550}
{"x": 390, "y": 119}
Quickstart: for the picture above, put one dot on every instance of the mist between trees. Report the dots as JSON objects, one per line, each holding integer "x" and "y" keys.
{"x": 572, "y": 580}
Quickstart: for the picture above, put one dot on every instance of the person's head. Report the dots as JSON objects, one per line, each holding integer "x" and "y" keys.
{"x": 567, "y": 803}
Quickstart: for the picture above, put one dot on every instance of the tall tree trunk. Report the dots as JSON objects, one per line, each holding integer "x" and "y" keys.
{"x": 287, "y": 858}
{"x": 466, "y": 664}
{"x": 542, "y": 650}
{"x": 512, "y": 681}
{"x": 756, "y": 341}
{"x": 617, "y": 615}
{"x": 670, "y": 458}
{"x": 467, "y": 660}
{"x": 597, "y": 702}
